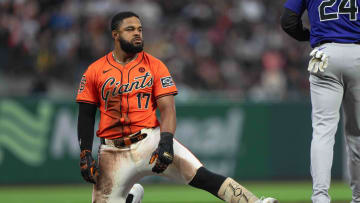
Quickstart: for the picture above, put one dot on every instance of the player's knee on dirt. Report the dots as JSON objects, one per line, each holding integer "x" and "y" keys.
{"x": 232, "y": 192}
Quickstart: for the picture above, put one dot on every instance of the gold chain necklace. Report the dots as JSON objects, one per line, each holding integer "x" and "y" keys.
{"x": 122, "y": 62}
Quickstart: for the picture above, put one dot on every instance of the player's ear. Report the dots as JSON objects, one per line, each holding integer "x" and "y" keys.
{"x": 115, "y": 34}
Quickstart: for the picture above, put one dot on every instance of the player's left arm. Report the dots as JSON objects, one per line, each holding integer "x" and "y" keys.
{"x": 291, "y": 21}
{"x": 166, "y": 106}
{"x": 292, "y": 24}
{"x": 164, "y": 154}
{"x": 164, "y": 90}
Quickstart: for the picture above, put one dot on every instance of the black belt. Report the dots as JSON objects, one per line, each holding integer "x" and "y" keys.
{"x": 126, "y": 141}
{"x": 327, "y": 41}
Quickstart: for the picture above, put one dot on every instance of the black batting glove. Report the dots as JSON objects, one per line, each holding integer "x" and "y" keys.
{"x": 164, "y": 154}
{"x": 89, "y": 170}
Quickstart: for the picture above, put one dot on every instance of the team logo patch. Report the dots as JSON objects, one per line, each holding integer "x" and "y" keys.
{"x": 82, "y": 83}
{"x": 167, "y": 82}
{"x": 141, "y": 69}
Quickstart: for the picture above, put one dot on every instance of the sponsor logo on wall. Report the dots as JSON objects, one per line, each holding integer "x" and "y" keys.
{"x": 24, "y": 133}
{"x": 45, "y": 134}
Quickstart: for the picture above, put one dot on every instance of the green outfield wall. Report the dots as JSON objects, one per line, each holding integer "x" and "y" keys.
{"x": 248, "y": 141}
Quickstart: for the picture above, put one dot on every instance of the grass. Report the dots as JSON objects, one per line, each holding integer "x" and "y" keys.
{"x": 286, "y": 192}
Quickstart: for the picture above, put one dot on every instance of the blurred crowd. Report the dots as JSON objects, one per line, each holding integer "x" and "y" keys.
{"x": 233, "y": 48}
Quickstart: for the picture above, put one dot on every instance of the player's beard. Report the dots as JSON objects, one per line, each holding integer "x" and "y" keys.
{"x": 129, "y": 48}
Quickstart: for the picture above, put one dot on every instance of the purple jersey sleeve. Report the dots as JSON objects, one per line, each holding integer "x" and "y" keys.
{"x": 298, "y": 6}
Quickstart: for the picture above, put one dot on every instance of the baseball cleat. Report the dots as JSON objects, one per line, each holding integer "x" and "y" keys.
{"x": 138, "y": 192}
{"x": 267, "y": 200}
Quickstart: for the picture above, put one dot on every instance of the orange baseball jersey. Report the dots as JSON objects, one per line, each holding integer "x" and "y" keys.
{"x": 126, "y": 95}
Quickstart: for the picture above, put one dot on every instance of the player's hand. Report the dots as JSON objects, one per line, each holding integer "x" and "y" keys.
{"x": 318, "y": 62}
{"x": 88, "y": 168}
{"x": 164, "y": 154}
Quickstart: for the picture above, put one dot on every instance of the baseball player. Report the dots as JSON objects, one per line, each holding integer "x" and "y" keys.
{"x": 128, "y": 85}
{"x": 334, "y": 80}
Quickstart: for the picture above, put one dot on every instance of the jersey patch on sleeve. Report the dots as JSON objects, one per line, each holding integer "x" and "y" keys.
{"x": 82, "y": 83}
{"x": 167, "y": 82}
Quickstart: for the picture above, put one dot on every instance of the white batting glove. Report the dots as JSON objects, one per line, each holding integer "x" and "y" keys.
{"x": 319, "y": 61}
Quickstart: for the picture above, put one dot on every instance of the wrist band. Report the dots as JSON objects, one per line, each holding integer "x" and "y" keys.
{"x": 167, "y": 134}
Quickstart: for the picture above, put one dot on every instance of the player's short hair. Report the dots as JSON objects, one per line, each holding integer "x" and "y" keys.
{"x": 118, "y": 18}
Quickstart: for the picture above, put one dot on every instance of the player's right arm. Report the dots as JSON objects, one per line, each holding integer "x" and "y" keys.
{"x": 86, "y": 121}
{"x": 87, "y": 99}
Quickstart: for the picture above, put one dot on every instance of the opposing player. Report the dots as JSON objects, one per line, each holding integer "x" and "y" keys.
{"x": 128, "y": 85}
{"x": 334, "y": 80}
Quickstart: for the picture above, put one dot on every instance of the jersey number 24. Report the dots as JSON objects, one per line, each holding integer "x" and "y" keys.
{"x": 345, "y": 7}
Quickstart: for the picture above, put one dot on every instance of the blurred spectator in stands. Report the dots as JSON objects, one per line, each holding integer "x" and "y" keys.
{"x": 220, "y": 47}
{"x": 272, "y": 85}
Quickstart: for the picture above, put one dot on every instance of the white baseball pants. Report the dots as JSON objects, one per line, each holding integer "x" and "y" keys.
{"x": 121, "y": 168}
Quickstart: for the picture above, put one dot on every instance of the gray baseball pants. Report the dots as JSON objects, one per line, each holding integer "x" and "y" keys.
{"x": 339, "y": 84}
